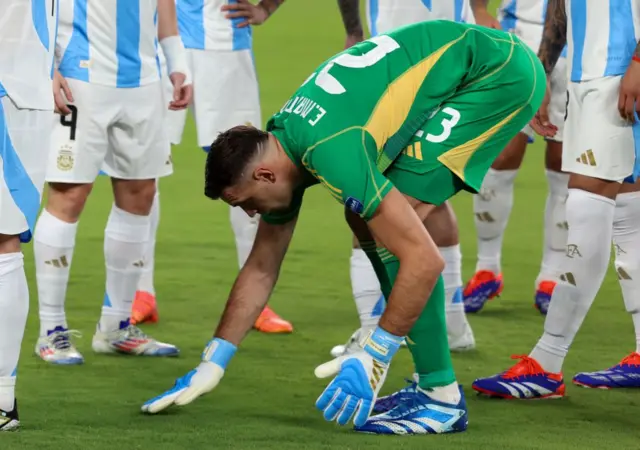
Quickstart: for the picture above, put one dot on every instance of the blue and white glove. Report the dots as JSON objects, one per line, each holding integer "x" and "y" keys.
{"x": 358, "y": 379}
{"x": 197, "y": 382}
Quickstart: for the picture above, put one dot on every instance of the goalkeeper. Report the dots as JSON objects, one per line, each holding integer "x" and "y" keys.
{"x": 392, "y": 127}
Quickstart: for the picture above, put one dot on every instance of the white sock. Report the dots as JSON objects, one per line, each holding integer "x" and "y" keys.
{"x": 626, "y": 241}
{"x": 125, "y": 241}
{"x": 492, "y": 207}
{"x": 244, "y": 230}
{"x": 590, "y": 219}
{"x": 445, "y": 394}
{"x": 14, "y": 308}
{"x": 146, "y": 279}
{"x": 451, "y": 275}
{"x": 54, "y": 241}
{"x": 636, "y": 326}
{"x": 555, "y": 226}
{"x": 366, "y": 289}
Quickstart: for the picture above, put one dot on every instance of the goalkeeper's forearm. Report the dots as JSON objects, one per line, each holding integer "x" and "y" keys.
{"x": 249, "y": 296}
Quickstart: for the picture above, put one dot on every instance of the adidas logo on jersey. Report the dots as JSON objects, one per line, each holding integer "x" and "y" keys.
{"x": 587, "y": 158}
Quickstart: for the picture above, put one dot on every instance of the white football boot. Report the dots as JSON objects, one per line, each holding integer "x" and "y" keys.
{"x": 131, "y": 340}
{"x": 57, "y": 348}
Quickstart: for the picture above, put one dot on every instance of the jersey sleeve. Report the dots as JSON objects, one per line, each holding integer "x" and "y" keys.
{"x": 343, "y": 166}
{"x": 286, "y": 215}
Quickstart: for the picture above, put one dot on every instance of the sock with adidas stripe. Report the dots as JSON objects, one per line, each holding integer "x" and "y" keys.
{"x": 492, "y": 208}
{"x": 590, "y": 220}
{"x": 125, "y": 240}
{"x": 54, "y": 241}
{"x": 626, "y": 241}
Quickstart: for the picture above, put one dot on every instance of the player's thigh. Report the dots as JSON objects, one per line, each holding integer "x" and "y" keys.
{"x": 138, "y": 146}
{"x": 79, "y": 139}
{"x": 598, "y": 143}
{"x": 24, "y": 143}
{"x": 225, "y": 92}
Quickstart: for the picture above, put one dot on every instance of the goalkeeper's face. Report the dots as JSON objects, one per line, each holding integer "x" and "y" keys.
{"x": 259, "y": 192}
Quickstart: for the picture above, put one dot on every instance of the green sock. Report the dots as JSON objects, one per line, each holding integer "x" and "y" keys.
{"x": 427, "y": 339}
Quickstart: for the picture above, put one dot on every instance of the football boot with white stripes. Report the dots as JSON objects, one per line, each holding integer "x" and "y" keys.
{"x": 525, "y": 380}
{"x": 418, "y": 413}
{"x": 626, "y": 374}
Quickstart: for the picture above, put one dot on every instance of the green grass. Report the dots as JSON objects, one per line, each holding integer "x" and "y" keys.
{"x": 267, "y": 399}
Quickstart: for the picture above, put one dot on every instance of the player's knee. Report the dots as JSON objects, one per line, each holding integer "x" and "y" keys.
{"x": 66, "y": 201}
{"x": 442, "y": 226}
{"x": 511, "y": 157}
{"x": 134, "y": 196}
{"x": 604, "y": 188}
{"x": 9, "y": 244}
{"x": 553, "y": 156}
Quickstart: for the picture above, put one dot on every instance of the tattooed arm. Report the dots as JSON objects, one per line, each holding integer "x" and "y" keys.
{"x": 350, "y": 11}
{"x": 554, "y": 36}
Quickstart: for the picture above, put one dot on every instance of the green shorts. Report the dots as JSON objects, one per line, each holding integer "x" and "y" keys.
{"x": 455, "y": 148}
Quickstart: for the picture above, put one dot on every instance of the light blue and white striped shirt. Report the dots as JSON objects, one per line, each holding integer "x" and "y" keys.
{"x": 27, "y": 40}
{"x": 602, "y": 36}
{"x": 204, "y": 27}
{"x": 109, "y": 42}
{"x": 385, "y": 15}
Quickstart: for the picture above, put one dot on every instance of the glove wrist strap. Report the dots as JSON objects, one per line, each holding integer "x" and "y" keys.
{"x": 219, "y": 352}
{"x": 382, "y": 345}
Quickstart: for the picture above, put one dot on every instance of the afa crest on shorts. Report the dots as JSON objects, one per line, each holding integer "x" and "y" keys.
{"x": 65, "y": 159}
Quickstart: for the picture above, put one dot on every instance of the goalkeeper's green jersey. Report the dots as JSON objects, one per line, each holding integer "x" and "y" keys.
{"x": 350, "y": 120}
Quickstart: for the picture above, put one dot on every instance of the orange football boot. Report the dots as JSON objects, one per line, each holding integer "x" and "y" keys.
{"x": 482, "y": 287}
{"x": 144, "y": 308}
{"x": 270, "y": 322}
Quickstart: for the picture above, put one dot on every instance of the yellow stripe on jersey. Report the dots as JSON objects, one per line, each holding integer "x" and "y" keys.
{"x": 394, "y": 104}
{"x": 457, "y": 158}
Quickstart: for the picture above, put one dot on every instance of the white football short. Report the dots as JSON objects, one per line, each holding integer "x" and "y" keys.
{"x": 531, "y": 34}
{"x": 225, "y": 94}
{"x": 24, "y": 144}
{"x": 597, "y": 141}
{"x": 120, "y": 131}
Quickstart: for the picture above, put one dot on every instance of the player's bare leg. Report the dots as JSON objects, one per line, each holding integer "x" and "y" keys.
{"x": 14, "y": 308}
{"x": 244, "y": 231}
{"x": 54, "y": 244}
{"x": 626, "y": 242}
{"x": 555, "y": 227}
{"x": 492, "y": 208}
{"x": 144, "y": 307}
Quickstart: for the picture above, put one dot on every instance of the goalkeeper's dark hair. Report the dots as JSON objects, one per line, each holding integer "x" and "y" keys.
{"x": 228, "y": 157}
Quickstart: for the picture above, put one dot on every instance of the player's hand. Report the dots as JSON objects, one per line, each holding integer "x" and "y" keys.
{"x": 61, "y": 94}
{"x": 358, "y": 379}
{"x": 352, "y": 40}
{"x": 629, "y": 98}
{"x": 484, "y": 18}
{"x": 540, "y": 122}
{"x": 181, "y": 93}
{"x": 254, "y": 14}
{"x": 197, "y": 382}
